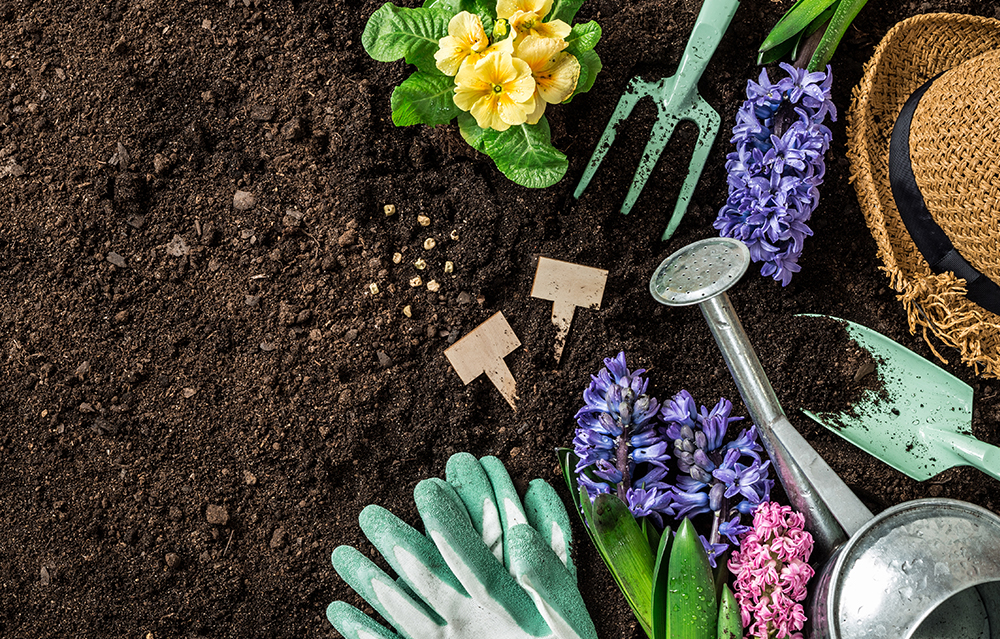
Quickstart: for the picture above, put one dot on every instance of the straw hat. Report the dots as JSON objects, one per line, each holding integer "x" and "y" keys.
{"x": 944, "y": 175}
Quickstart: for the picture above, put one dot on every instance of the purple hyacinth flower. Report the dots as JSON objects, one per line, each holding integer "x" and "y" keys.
{"x": 714, "y": 551}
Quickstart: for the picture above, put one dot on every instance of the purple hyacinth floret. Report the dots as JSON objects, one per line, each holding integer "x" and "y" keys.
{"x": 778, "y": 165}
{"x": 618, "y": 443}
{"x": 715, "y": 476}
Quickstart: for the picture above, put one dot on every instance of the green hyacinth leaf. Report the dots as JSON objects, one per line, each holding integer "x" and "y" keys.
{"x": 424, "y": 99}
{"x": 730, "y": 625}
{"x": 564, "y": 10}
{"x": 625, "y": 550}
{"x": 692, "y": 612}
{"x": 842, "y": 18}
{"x": 412, "y": 34}
{"x": 583, "y": 37}
{"x": 660, "y": 584}
{"x": 526, "y": 156}
{"x": 794, "y": 21}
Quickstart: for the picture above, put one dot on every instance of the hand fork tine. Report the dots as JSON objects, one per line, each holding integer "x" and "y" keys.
{"x": 677, "y": 99}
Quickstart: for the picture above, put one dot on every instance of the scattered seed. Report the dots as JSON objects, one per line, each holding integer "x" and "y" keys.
{"x": 449, "y": 267}
{"x": 416, "y": 281}
{"x": 433, "y": 286}
{"x": 397, "y": 258}
{"x": 454, "y": 235}
{"x": 390, "y": 209}
{"x": 424, "y": 220}
{"x": 407, "y": 311}
{"x": 420, "y": 264}
{"x": 373, "y": 287}
{"x": 429, "y": 243}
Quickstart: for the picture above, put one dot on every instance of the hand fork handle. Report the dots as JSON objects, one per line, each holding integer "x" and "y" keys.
{"x": 709, "y": 26}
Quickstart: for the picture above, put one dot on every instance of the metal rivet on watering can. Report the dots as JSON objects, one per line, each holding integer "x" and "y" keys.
{"x": 926, "y": 568}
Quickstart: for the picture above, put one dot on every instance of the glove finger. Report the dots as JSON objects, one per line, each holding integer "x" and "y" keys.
{"x": 486, "y": 579}
{"x": 547, "y": 515}
{"x": 354, "y": 624}
{"x": 508, "y": 502}
{"x": 466, "y": 475}
{"x": 413, "y": 556}
{"x": 552, "y": 588}
{"x": 408, "y": 615}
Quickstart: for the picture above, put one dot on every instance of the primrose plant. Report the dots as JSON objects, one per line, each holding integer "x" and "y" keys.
{"x": 495, "y": 68}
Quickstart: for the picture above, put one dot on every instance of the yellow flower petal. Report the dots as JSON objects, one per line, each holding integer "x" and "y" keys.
{"x": 522, "y": 86}
{"x": 507, "y": 8}
{"x": 557, "y": 80}
{"x": 539, "y": 111}
{"x": 538, "y": 52}
{"x": 514, "y": 113}
{"x": 487, "y": 115}
{"x": 466, "y": 37}
{"x": 498, "y": 91}
{"x": 554, "y": 29}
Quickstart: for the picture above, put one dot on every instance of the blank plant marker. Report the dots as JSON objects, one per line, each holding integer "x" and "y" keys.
{"x": 568, "y": 286}
{"x": 482, "y": 351}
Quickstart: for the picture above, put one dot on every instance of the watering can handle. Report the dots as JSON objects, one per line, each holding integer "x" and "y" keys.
{"x": 711, "y": 23}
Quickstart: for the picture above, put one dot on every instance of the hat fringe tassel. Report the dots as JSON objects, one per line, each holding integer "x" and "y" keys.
{"x": 938, "y": 303}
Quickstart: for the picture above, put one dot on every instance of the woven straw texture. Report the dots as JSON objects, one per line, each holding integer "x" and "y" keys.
{"x": 959, "y": 159}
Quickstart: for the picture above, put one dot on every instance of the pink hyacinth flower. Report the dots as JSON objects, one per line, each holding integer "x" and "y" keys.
{"x": 772, "y": 571}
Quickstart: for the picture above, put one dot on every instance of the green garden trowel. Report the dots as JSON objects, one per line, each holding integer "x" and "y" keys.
{"x": 677, "y": 99}
{"x": 918, "y": 420}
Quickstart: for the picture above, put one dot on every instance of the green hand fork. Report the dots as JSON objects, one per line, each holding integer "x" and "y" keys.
{"x": 677, "y": 99}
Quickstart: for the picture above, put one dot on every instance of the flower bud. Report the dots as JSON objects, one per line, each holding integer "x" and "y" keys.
{"x": 687, "y": 433}
{"x": 700, "y": 474}
{"x": 703, "y": 461}
{"x": 700, "y": 440}
{"x": 715, "y": 497}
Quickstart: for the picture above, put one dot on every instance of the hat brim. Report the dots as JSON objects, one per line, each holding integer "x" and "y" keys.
{"x": 911, "y": 53}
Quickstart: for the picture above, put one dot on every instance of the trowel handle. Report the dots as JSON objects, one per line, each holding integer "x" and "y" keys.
{"x": 709, "y": 26}
{"x": 832, "y": 512}
{"x": 985, "y": 457}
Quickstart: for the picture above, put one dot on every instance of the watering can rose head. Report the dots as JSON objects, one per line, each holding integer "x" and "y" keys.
{"x": 494, "y": 69}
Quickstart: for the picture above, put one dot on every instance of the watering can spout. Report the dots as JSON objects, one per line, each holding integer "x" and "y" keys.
{"x": 700, "y": 273}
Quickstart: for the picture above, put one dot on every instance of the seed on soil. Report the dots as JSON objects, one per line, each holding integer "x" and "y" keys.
{"x": 449, "y": 267}
{"x": 454, "y": 234}
{"x": 420, "y": 264}
{"x": 433, "y": 286}
{"x": 397, "y": 258}
{"x": 423, "y": 220}
{"x": 407, "y": 311}
{"x": 429, "y": 243}
{"x": 416, "y": 281}
{"x": 390, "y": 209}
{"x": 373, "y": 287}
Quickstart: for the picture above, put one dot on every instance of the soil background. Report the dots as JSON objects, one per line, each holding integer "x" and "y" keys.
{"x": 196, "y": 401}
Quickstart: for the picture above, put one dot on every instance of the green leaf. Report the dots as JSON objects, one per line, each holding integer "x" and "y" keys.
{"x": 778, "y": 52}
{"x": 482, "y": 8}
{"x": 476, "y": 138}
{"x": 396, "y": 32}
{"x": 564, "y": 10}
{"x": 730, "y": 625}
{"x": 592, "y": 62}
{"x": 624, "y": 549}
{"x": 653, "y": 535}
{"x": 845, "y": 14}
{"x": 794, "y": 21}
{"x": 583, "y": 37}
{"x": 526, "y": 156}
{"x": 691, "y": 609}
{"x": 660, "y": 585}
{"x": 424, "y": 99}
{"x": 451, "y": 6}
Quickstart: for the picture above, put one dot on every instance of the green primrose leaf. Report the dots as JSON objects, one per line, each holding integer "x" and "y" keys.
{"x": 730, "y": 625}
{"x": 795, "y": 20}
{"x": 691, "y": 609}
{"x": 625, "y": 551}
{"x": 526, "y": 156}
{"x": 396, "y": 32}
{"x": 842, "y": 18}
{"x": 583, "y": 37}
{"x": 482, "y": 8}
{"x": 423, "y": 98}
{"x": 451, "y": 6}
{"x": 660, "y": 584}
{"x": 564, "y": 10}
{"x": 476, "y": 138}
{"x": 590, "y": 61}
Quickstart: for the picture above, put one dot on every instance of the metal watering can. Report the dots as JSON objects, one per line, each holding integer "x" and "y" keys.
{"x": 925, "y": 568}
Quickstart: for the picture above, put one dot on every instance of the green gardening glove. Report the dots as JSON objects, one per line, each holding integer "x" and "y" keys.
{"x": 488, "y": 567}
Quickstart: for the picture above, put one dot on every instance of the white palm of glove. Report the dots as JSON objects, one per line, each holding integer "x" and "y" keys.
{"x": 482, "y": 571}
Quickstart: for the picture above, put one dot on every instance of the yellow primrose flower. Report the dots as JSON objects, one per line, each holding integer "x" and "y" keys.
{"x": 525, "y": 16}
{"x": 498, "y": 91}
{"x": 466, "y": 37}
{"x": 555, "y": 71}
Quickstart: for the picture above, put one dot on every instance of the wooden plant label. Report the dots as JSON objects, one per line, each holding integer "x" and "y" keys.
{"x": 482, "y": 351}
{"x": 568, "y": 286}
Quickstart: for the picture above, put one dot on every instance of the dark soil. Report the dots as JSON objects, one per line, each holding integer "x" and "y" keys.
{"x": 197, "y": 401}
